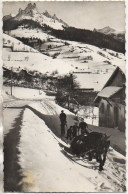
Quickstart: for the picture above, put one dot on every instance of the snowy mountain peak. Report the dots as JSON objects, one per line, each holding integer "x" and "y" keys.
{"x": 28, "y": 10}
{"x": 47, "y": 14}
{"x": 31, "y": 13}
{"x": 108, "y": 30}
{"x": 31, "y": 6}
{"x": 7, "y": 17}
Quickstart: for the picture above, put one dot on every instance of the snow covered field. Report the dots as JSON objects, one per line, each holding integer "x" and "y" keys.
{"x": 32, "y": 60}
{"x": 22, "y": 93}
{"x": 79, "y": 54}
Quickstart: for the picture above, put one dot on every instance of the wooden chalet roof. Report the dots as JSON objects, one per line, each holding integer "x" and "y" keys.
{"x": 113, "y": 74}
{"x": 108, "y": 91}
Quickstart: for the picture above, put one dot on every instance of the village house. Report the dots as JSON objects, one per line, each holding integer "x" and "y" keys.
{"x": 111, "y": 101}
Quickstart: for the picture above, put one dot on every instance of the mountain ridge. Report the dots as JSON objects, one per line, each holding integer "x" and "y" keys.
{"x": 119, "y": 35}
{"x": 30, "y": 18}
{"x": 108, "y": 30}
{"x": 31, "y": 12}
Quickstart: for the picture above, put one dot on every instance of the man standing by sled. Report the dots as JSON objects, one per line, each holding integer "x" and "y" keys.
{"x": 83, "y": 126}
{"x": 63, "y": 122}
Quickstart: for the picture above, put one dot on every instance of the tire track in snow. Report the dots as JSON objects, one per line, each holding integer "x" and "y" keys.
{"x": 48, "y": 107}
{"x": 51, "y": 107}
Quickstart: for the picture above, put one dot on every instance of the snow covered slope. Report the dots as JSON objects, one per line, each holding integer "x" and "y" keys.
{"x": 16, "y": 54}
{"x": 46, "y": 169}
{"x": 63, "y": 56}
{"x": 83, "y": 56}
{"x": 15, "y": 45}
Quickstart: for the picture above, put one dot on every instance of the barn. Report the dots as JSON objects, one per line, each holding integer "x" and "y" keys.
{"x": 111, "y": 101}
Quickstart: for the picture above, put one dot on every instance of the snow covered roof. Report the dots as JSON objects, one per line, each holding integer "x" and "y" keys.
{"x": 122, "y": 68}
{"x": 91, "y": 80}
{"x": 107, "y": 92}
{"x": 113, "y": 74}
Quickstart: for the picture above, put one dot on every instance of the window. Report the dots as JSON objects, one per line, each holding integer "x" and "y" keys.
{"x": 102, "y": 108}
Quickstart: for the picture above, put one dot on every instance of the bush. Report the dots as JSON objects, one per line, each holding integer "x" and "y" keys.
{"x": 60, "y": 98}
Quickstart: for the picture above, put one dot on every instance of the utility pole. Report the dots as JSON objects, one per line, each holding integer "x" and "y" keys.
{"x": 70, "y": 89}
{"x": 69, "y": 102}
{"x": 11, "y": 80}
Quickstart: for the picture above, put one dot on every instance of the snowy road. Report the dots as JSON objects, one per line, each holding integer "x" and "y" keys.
{"x": 44, "y": 168}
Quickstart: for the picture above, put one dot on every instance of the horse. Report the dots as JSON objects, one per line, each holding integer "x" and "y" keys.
{"x": 95, "y": 145}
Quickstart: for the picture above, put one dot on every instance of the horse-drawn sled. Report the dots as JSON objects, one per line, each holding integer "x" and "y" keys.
{"x": 92, "y": 146}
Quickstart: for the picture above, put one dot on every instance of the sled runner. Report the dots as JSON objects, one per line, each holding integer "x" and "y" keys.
{"x": 86, "y": 148}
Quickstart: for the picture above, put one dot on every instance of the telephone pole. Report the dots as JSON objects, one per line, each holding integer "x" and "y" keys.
{"x": 68, "y": 101}
{"x": 11, "y": 81}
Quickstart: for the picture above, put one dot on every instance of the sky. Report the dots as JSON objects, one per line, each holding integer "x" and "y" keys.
{"x": 80, "y": 14}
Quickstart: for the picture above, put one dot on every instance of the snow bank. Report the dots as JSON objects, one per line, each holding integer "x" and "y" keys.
{"x": 45, "y": 168}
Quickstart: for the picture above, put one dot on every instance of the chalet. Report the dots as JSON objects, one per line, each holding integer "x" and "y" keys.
{"x": 111, "y": 101}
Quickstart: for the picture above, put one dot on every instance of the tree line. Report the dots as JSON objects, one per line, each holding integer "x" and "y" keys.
{"x": 70, "y": 33}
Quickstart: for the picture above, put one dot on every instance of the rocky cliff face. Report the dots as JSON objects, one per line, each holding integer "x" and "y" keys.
{"x": 31, "y": 12}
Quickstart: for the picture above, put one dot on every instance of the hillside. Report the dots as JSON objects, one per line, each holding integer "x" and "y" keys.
{"x": 31, "y": 13}
{"x": 44, "y": 22}
{"x": 61, "y": 57}
{"x": 18, "y": 55}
